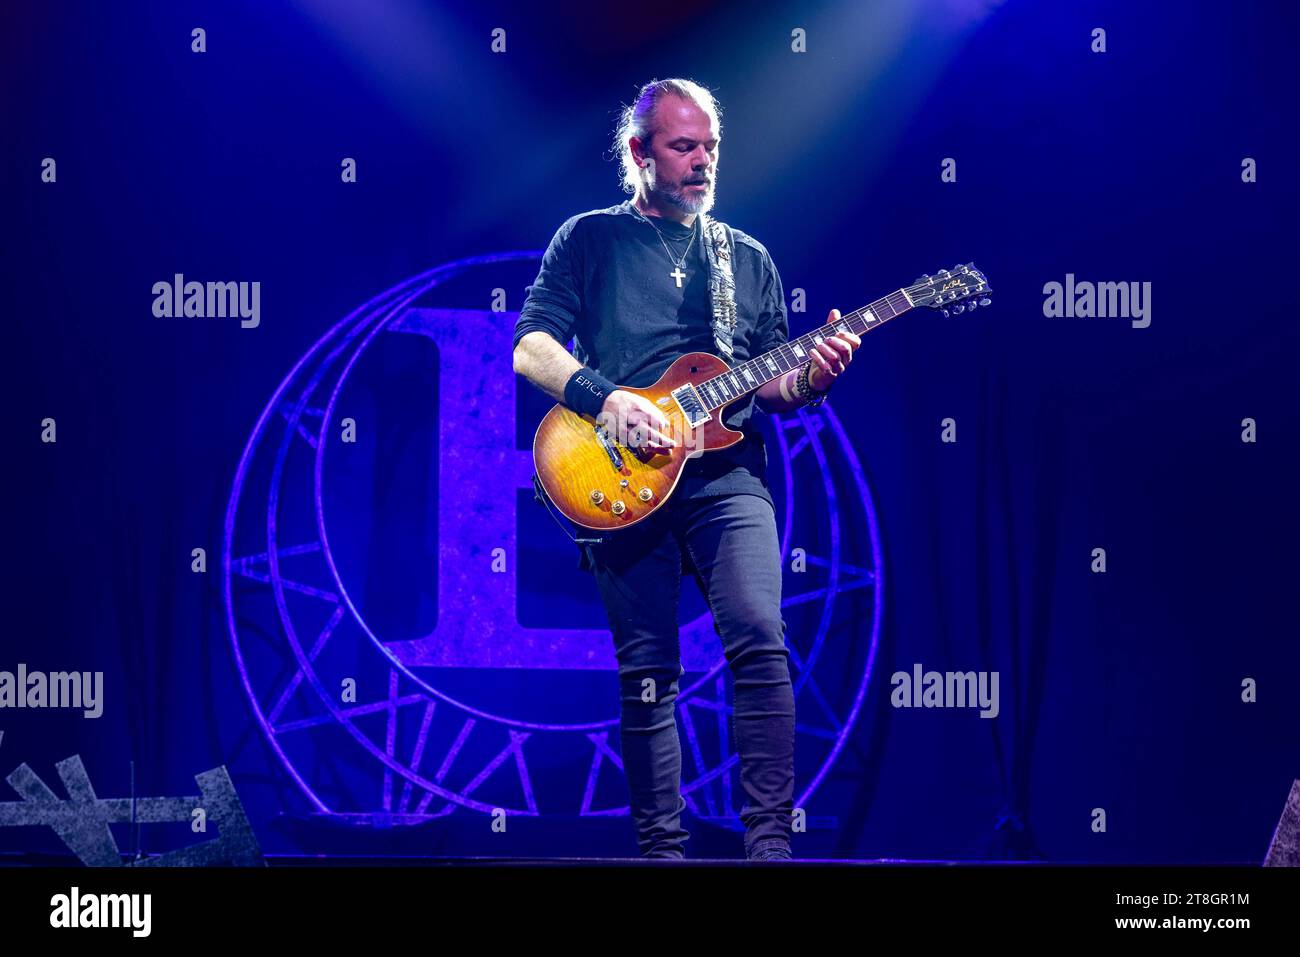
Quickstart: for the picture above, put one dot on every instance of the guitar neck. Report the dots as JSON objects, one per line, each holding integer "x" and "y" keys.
{"x": 757, "y": 372}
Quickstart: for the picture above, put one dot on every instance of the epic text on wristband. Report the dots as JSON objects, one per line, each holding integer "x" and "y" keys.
{"x": 586, "y": 390}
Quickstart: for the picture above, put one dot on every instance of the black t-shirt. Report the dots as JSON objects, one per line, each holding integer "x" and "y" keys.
{"x": 605, "y": 283}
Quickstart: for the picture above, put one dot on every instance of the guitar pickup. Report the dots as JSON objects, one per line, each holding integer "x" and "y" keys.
{"x": 688, "y": 400}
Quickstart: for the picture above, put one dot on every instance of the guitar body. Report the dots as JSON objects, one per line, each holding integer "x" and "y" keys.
{"x": 585, "y": 477}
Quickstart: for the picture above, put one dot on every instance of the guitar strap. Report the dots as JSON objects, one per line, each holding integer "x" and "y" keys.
{"x": 718, "y": 245}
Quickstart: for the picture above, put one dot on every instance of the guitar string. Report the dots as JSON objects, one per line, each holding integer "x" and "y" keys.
{"x": 894, "y": 299}
{"x": 673, "y": 416}
{"x": 808, "y": 339}
{"x": 787, "y": 356}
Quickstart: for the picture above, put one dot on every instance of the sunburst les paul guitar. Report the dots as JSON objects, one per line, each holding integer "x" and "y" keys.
{"x": 599, "y": 483}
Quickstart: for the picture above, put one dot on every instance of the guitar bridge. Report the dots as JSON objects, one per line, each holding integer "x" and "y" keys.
{"x": 611, "y": 449}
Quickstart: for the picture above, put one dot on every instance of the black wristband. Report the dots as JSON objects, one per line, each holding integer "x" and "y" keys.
{"x": 586, "y": 390}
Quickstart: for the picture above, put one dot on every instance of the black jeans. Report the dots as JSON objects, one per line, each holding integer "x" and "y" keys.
{"x": 730, "y": 544}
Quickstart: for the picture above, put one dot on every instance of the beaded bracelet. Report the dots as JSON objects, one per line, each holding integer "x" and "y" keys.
{"x": 803, "y": 386}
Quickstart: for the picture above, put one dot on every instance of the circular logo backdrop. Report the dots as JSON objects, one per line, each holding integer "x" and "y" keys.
{"x": 458, "y": 704}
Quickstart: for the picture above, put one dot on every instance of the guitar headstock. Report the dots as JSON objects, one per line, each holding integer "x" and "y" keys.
{"x": 951, "y": 290}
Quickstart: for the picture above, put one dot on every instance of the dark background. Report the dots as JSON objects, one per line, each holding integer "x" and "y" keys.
{"x": 1119, "y": 690}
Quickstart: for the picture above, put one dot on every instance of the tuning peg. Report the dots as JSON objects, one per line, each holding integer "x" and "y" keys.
{"x": 986, "y": 301}
{"x": 959, "y": 307}
{"x": 945, "y": 313}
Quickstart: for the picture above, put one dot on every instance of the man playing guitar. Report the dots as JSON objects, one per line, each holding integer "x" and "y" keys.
{"x": 636, "y": 286}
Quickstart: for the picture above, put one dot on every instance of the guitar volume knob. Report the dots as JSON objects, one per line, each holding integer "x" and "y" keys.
{"x": 618, "y": 508}
{"x": 597, "y": 496}
{"x": 645, "y": 494}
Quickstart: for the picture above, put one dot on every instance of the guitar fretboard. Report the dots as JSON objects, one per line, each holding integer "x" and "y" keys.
{"x": 755, "y": 373}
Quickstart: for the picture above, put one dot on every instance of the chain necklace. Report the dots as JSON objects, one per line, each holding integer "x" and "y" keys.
{"x": 677, "y": 272}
